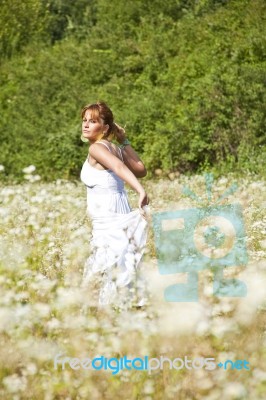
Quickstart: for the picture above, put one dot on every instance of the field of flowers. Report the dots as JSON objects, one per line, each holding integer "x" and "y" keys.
{"x": 44, "y": 311}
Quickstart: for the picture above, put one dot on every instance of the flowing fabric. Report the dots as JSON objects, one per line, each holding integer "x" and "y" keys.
{"x": 119, "y": 236}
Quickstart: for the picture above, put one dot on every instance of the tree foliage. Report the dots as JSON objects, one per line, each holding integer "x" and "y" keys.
{"x": 187, "y": 78}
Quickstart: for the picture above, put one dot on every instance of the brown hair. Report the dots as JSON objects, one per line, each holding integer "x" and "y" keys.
{"x": 100, "y": 110}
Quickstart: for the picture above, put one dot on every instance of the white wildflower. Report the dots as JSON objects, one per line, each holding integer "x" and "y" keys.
{"x": 234, "y": 390}
{"x": 4, "y": 212}
{"x": 37, "y": 199}
{"x": 32, "y": 178}
{"x": 2, "y": 168}
{"x": 31, "y": 369}
{"x": 45, "y": 229}
{"x": 92, "y": 337}
{"x": 187, "y": 317}
{"x": 28, "y": 177}
{"x": 259, "y": 375}
{"x": 54, "y": 323}
{"x": 6, "y": 318}
{"x": 223, "y": 181}
{"x": 15, "y": 383}
{"x": 29, "y": 169}
{"x": 148, "y": 387}
{"x": 221, "y": 326}
{"x": 263, "y": 243}
{"x": 208, "y": 289}
{"x": 35, "y": 178}
{"x": 255, "y": 295}
{"x": 23, "y": 312}
{"x": 41, "y": 349}
{"x": 204, "y": 383}
{"x": 202, "y": 327}
{"x": 67, "y": 297}
{"x": 42, "y": 309}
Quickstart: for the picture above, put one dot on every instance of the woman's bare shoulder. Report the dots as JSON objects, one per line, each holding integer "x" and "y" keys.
{"x": 114, "y": 149}
{"x": 97, "y": 146}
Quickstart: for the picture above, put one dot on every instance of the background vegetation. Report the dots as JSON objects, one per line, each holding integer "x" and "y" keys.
{"x": 187, "y": 78}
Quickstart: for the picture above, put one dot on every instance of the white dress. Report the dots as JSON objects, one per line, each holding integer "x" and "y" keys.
{"x": 118, "y": 241}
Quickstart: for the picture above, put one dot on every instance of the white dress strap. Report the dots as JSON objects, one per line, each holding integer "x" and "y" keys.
{"x": 121, "y": 154}
{"x": 120, "y": 151}
{"x": 99, "y": 141}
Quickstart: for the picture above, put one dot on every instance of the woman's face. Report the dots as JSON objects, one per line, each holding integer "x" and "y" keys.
{"x": 92, "y": 128}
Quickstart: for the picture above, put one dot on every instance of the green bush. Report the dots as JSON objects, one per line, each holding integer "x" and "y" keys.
{"x": 187, "y": 78}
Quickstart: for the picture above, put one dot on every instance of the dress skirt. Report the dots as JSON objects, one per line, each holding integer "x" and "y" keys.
{"x": 119, "y": 235}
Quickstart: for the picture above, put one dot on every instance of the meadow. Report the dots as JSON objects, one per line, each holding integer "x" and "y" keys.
{"x": 44, "y": 311}
{"x": 187, "y": 79}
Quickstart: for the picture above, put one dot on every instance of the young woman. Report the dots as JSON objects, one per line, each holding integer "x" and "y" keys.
{"x": 118, "y": 234}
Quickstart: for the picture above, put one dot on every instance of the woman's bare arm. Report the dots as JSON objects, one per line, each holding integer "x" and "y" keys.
{"x": 133, "y": 162}
{"x": 108, "y": 160}
{"x": 131, "y": 158}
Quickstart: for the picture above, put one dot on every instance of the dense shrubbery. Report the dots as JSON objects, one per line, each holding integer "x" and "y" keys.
{"x": 187, "y": 77}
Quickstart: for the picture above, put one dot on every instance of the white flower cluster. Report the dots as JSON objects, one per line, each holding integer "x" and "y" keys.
{"x": 28, "y": 174}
